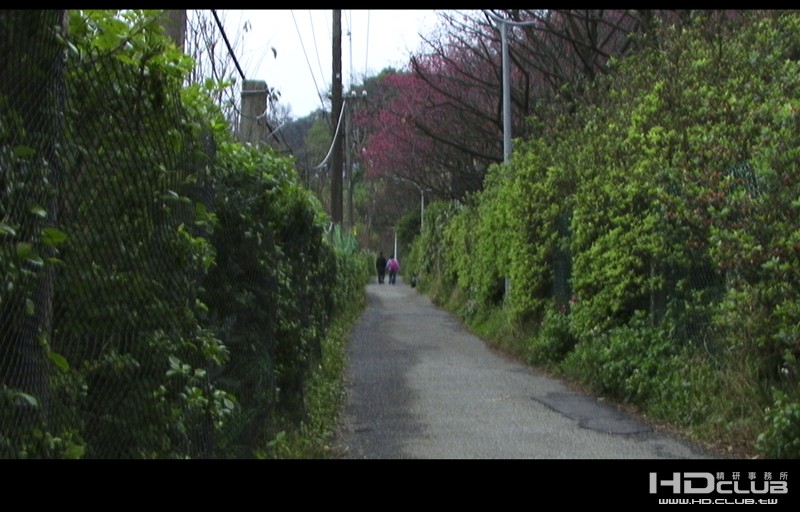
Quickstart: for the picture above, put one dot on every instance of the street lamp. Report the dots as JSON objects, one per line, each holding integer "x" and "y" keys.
{"x": 506, "y": 79}
{"x": 421, "y": 199}
{"x": 506, "y": 93}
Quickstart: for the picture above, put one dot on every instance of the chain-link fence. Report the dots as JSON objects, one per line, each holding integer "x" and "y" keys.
{"x": 147, "y": 308}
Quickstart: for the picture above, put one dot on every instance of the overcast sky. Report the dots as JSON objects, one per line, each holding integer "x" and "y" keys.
{"x": 302, "y": 63}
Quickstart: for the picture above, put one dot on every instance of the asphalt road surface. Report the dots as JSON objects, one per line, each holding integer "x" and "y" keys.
{"x": 420, "y": 386}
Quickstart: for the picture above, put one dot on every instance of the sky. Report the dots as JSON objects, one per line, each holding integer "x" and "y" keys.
{"x": 300, "y": 67}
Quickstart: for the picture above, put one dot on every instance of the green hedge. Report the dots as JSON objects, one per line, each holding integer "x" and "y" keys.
{"x": 173, "y": 286}
{"x": 650, "y": 239}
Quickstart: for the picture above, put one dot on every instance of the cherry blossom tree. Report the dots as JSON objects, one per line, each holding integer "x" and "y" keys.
{"x": 439, "y": 124}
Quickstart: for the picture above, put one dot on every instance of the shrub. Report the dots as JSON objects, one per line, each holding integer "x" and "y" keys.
{"x": 781, "y": 439}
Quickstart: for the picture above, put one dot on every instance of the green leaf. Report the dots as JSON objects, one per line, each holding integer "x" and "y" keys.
{"x": 201, "y": 211}
{"x": 75, "y": 451}
{"x": 24, "y": 249}
{"x": 53, "y": 236}
{"x": 38, "y": 211}
{"x": 24, "y": 151}
{"x": 58, "y": 360}
{"x": 5, "y": 229}
{"x": 28, "y": 398}
{"x": 54, "y": 261}
{"x": 30, "y": 307}
{"x": 25, "y": 252}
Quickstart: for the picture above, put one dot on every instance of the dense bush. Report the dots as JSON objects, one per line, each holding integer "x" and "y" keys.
{"x": 781, "y": 439}
{"x": 554, "y": 339}
{"x": 427, "y": 255}
{"x": 169, "y": 286}
{"x": 650, "y": 238}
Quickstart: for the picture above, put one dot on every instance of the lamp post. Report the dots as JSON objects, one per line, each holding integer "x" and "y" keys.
{"x": 421, "y": 199}
{"x": 506, "y": 95}
{"x": 503, "y": 23}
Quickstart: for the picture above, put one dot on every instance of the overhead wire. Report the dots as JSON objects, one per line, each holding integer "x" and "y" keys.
{"x": 350, "y": 40}
{"x": 227, "y": 43}
{"x": 366, "y": 57}
{"x": 316, "y": 46}
{"x": 335, "y": 135}
{"x": 316, "y": 86}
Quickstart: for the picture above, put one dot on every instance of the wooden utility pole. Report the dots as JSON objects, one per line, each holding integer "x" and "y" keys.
{"x": 336, "y": 113}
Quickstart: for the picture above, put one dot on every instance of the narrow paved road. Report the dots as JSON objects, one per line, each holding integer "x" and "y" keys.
{"x": 420, "y": 386}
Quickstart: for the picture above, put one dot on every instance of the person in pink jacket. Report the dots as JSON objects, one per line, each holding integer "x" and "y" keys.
{"x": 392, "y": 266}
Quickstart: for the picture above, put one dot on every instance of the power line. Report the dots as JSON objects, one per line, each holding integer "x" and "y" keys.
{"x": 316, "y": 46}
{"x": 335, "y": 135}
{"x": 316, "y": 86}
{"x": 350, "y": 38}
{"x": 228, "y": 44}
{"x": 241, "y": 73}
{"x": 366, "y": 57}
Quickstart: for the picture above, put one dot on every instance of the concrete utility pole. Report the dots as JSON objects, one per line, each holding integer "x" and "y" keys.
{"x": 352, "y": 97}
{"x": 336, "y": 111}
{"x": 174, "y": 22}
{"x": 348, "y": 163}
{"x": 254, "y": 105}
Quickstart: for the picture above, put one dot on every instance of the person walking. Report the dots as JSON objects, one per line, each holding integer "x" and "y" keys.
{"x": 392, "y": 266}
{"x": 380, "y": 266}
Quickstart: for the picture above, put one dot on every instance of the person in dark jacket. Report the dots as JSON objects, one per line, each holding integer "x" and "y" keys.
{"x": 380, "y": 266}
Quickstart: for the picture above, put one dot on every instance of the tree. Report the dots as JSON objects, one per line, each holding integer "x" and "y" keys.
{"x": 205, "y": 44}
{"x": 442, "y": 123}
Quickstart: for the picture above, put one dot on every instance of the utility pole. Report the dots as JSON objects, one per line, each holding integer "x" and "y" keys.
{"x": 349, "y": 104}
{"x": 174, "y": 22}
{"x": 336, "y": 112}
{"x": 348, "y": 163}
{"x": 254, "y": 104}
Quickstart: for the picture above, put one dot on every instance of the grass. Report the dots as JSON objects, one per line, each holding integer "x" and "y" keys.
{"x": 324, "y": 399}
